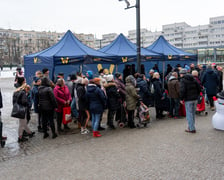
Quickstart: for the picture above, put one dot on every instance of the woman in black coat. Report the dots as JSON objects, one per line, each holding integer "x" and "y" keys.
{"x": 47, "y": 104}
{"x": 20, "y": 97}
{"x": 113, "y": 98}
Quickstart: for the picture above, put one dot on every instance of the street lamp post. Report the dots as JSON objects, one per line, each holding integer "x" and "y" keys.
{"x": 138, "y": 32}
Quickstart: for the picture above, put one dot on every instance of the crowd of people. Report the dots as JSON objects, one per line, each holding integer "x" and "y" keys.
{"x": 90, "y": 96}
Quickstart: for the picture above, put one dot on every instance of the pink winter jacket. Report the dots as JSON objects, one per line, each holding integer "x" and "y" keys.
{"x": 62, "y": 95}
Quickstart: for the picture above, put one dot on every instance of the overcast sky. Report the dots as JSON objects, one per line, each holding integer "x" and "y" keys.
{"x": 104, "y": 16}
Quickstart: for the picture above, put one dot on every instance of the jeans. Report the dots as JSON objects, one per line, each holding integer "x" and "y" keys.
{"x": 174, "y": 107}
{"x": 190, "y": 107}
{"x": 95, "y": 121}
{"x": 74, "y": 109}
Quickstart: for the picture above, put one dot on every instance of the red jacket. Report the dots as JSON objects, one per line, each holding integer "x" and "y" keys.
{"x": 62, "y": 95}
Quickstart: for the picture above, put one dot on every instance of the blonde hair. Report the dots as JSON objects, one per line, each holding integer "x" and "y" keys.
{"x": 22, "y": 87}
{"x": 194, "y": 73}
{"x": 156, "y": 75}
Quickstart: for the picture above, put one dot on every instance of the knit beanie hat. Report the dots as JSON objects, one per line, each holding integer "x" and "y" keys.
{"x": 90, "y": 74}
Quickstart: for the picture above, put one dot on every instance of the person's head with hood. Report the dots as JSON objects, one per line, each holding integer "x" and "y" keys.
{"x": 183, "y": 72}
{"x": 89, "y": 74}
{"x": 45, "y": 82}
{"x": 130, "y": 79}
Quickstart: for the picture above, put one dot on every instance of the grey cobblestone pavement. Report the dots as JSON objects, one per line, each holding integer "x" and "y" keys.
{"x": 161, "y": 151}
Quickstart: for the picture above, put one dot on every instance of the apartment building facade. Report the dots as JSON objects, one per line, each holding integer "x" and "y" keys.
{"x": 205, "y": 40}
{"x": 14, "y": 44}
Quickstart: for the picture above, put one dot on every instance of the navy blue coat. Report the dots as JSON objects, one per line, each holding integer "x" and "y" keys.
{"x": 96, "y": 99}
{"x": 143, "y": 91}
{"x": 210, "y": 81}
{"x": 158, "y": 94}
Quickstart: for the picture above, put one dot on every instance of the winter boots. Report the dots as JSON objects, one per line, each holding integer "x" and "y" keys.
{"x": 96, "y": 134}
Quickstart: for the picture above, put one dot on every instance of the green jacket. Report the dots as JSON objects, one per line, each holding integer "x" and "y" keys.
{"x": 131, "y": 96}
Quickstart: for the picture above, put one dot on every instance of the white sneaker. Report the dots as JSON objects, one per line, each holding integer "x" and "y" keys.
{"x": 86, "y": 130}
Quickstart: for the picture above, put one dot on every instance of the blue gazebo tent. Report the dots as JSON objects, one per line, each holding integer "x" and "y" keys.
{"x": 126, "y": 51}
{"x": 170, "y": 52}
{"x": 65, "y": 56}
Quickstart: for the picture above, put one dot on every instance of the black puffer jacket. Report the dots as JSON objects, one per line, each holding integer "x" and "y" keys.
{"x": 189, "y": 88}
{"x": 47, "y": 101}
{"x": 112, "y": 96}
{"x": 20, "y": 97}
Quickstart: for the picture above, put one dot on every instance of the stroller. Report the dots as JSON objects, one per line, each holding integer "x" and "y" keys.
{"x": 201, "y": 103}
{"x": 143, "y": 116}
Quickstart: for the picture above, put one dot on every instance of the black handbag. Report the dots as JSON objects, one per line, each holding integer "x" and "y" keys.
{"x": 18, "y": 110}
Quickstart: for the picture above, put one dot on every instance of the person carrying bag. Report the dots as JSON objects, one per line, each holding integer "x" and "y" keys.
{"x": 20, "y": 104}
